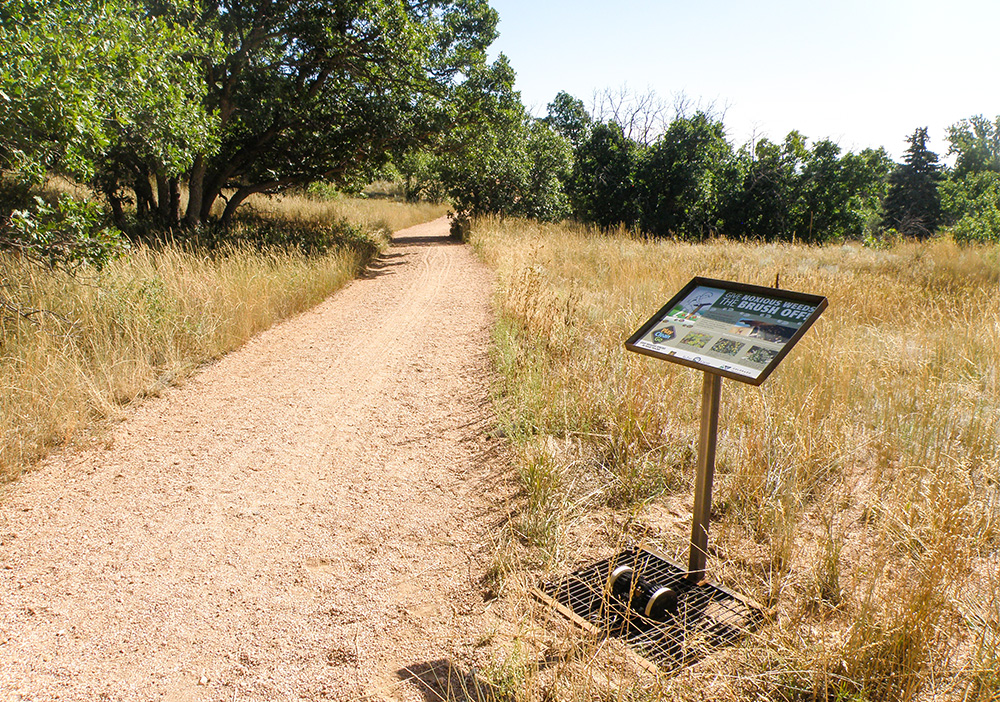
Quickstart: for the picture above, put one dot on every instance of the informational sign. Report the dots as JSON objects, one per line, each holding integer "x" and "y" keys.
{"x": 731, "y": 329}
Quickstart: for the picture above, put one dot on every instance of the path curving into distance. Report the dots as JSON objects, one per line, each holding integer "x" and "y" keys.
{"x": 307, "y": 518}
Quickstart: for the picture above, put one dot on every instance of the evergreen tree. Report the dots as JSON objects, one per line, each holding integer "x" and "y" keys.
{"x": 913, "y": 204}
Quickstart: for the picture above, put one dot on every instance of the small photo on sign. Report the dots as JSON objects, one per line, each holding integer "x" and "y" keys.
{"x": 689, "y": 310}
{"x": 696, "y": 340}
{"x": 755, "y": 329}
{"x": 762, "y": 356}
{"x": 665, "y": 334}
{"x": 727, "y": 347}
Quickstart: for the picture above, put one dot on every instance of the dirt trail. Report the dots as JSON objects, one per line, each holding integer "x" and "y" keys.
{"x": 308, "y": 518}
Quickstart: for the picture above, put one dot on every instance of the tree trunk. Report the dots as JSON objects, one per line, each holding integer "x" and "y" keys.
{"x": 234, "y": 202}
{"x": 196, "y": 191}
{"x": 243, "y": 193}
{"x": 117, "y": 213}
{"x": 174, "y": 211}
{"x": 144, "y": 201}
{"x": 162, "y": 198}
{"x": 209, "y": 195}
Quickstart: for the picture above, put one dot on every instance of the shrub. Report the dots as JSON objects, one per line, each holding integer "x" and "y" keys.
{"x": 67, "y": 234}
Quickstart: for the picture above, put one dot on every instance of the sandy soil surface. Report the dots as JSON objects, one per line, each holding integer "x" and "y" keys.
{"x": 308, "y": 518}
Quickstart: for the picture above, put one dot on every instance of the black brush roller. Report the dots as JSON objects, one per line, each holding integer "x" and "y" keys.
{"x": 638, "y": 594}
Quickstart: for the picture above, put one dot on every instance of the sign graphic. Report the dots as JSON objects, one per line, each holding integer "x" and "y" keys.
{"x": 730, "y": 329}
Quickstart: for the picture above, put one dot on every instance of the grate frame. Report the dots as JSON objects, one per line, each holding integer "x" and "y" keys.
{"x": 708, "y": 615}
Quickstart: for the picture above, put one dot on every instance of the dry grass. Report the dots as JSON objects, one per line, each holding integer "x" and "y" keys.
{"x": 372, "y": 214}
{"x": 149, "y": 318}
{"x": 856, "y": 491}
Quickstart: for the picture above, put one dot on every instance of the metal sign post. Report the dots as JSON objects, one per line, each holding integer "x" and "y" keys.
{"x": 728, "y": 330}
{"x": 711, "y": 395}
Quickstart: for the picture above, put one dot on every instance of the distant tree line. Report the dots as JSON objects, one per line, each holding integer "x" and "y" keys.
{"x": 174, "y": 112}
{"x": 686, "y": 180}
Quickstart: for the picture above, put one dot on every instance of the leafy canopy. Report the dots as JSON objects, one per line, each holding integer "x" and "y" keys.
{"x": 499, "y": 160}
{"x": 330, "y": 89}
{"x": 80, "y": 80}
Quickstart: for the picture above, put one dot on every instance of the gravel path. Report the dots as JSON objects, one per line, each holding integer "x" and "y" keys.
{"x": 308, "y": 518}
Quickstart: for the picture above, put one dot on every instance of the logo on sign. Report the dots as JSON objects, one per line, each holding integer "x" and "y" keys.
{"x": 665, "y": 334}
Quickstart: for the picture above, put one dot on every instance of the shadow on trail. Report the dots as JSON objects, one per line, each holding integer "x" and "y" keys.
{"x": 443, "y": 240}
{"x": 442, "y": 680}
{"x": 383, "y": 265}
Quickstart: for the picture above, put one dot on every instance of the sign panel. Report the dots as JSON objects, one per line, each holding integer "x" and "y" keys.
{"x": 731, "y": 329}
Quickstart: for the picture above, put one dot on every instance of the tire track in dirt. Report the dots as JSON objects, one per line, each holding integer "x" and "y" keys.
{"x": 305, "y": 519}
{"x": 367, "y": 360}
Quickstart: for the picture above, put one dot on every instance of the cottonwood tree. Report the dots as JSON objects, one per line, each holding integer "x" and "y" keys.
{"x": 975, "y": 143}
{"x": 970, "y": 196}
{"x": 971, "y": 206}
{"x": 813, "y": 194}
{"x": 838, "y": 195}
{"x": 328, "y": 89}
{"x": 684, "y": 177}
{"x": 502, "y": 161}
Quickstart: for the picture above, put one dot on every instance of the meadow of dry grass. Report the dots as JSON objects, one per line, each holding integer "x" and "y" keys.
{"x": 371, "y": 214}
{"x": 101, "y": 339}
{"x": 856, "y": 491}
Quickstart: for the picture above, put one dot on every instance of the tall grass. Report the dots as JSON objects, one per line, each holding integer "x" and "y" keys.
{"x": 101, "y": 339}
{"x": 856, "y": 491}
{"x": 371, "y": 214}
{"x": 325, "y": 207}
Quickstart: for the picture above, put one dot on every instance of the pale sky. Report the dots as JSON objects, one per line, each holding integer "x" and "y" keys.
{"x": 864, "y": 73}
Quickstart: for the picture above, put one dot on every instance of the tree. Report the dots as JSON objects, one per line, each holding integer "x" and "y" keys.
{"x": 912, "y": 204}
{"x": 762, "y": 207}
{"x": 79, "y": 80}
{"x": 420, "y": 174}
{"x": 603, "y": 185}
{"x": 236, "y": 97}
{"x": 568, "y": 117}
{"x": 823, "y": 193}
{"x": 866, "y": 176}
{"x": 838, "y": 195}
{"x": 501, "y": 161}
{"x": 550, "y": 163}
{"x": 482, "y": 162}
{"x": 972, "y": 206}
{"x": 683, "y": 176}
{"x": 641, "y": 116}
{"x": 971, "y": 193}
{"x": 328, "y": 89}
{"x": 976, "y": 144}
{"x": 51, "y": 106}
{"x": 791, "y": 191}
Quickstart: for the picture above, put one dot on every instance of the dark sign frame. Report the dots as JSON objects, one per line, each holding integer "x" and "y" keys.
{"x": 785, "y": 300}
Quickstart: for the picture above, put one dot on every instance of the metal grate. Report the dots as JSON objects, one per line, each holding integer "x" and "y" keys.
{"x": 707, "y": 615}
